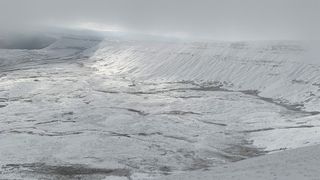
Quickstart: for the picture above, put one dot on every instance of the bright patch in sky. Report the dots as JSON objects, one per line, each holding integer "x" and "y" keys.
{"x": 101, "y": 27}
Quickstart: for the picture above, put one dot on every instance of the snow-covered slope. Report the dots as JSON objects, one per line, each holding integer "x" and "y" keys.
{"x": 296, "y": 164}
{"x": 140, "y": 108}
{"x": 276, "y": 70}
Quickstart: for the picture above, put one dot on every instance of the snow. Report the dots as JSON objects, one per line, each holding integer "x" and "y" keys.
{"x": 301, "y": 163}
{"x": 147, "y": 109}
{"x": 276, "y": 69}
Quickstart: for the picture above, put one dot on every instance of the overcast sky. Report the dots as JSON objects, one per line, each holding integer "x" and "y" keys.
{"x": 215, "y": 19}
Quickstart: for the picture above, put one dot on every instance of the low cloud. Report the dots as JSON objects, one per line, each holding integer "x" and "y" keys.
{"x": 212, "y": 19}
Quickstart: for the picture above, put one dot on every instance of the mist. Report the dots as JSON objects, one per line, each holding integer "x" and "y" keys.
{"x": 206, "y": 19}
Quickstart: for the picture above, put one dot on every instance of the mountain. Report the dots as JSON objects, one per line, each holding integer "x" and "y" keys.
{"x": 140, "y": 108}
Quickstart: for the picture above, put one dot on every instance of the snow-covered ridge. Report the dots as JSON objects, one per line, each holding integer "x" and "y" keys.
{"x": 277, "y": 70}
{"x": 63, "y": 49}
{"x": 25, "y": 41}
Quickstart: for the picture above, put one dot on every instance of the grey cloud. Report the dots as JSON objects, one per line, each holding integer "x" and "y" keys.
{"x": 215, "y": 19}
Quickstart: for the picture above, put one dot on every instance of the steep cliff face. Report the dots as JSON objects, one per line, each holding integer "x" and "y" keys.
{"x": 276, "y": 70}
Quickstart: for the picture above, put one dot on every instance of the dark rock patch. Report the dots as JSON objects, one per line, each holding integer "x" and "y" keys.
{"x": 64, "y": 170}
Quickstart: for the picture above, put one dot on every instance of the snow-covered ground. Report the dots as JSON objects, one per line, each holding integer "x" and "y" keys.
{"x": 89, "y": 108}
{"x": 297, "y": 164}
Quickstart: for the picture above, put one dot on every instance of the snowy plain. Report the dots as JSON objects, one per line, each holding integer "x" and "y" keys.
{"x": 115, "y": 108}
